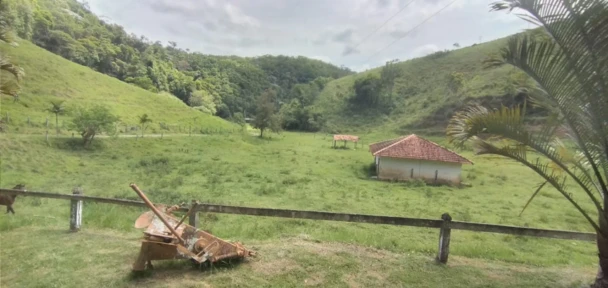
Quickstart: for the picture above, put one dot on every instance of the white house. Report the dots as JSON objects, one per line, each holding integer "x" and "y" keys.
{"x": 413, "y": 157}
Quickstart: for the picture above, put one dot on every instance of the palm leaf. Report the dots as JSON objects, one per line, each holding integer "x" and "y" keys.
{"x": 507, "y": 124}
{"x": 571, "y": 69}
{"x": 518, "y": 153}
{"x": 7, "y": 66}
{"x": 9, "y": 87}
{"x": 533, "y": 195}
{"x": 57, "y": 107}
{"x": 6, "y": 35}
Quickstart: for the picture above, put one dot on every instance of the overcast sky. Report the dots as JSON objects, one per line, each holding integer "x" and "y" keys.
{"x": 334, "y": 31}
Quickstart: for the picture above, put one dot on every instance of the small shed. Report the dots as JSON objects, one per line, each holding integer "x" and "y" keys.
{"x": 413, "y": 157}
{"x": 345, "y": 138}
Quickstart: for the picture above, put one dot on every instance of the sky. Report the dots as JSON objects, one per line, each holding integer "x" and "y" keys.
{"x": 353, "y": 33}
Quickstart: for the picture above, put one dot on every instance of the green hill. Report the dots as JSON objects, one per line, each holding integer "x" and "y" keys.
{"x": 50, "y": 77}
{"x": 422, "y": 97}
{"x": 218, "y": 85}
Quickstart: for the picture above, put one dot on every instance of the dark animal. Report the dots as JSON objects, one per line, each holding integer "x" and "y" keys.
{"x": 8, "y": 199}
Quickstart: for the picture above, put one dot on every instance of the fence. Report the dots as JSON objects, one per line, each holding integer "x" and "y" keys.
{"x": 445, "y": 224}
{"x": 47, "y": 124}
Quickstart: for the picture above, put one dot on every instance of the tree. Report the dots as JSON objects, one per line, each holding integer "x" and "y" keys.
{"x": 143, "y": 121}
{"x": 265, "y": 117}
{"x": 572, "y": 82}
{"x": 389, "y": 73}
{"x": 367, "y": 91}
{"x": 203, "y": 101}
{"x": 239, "y": 119}
{"x": 92, "y": 121}
{"x": 228, "y": 84}
{"x": 57, "y": 108}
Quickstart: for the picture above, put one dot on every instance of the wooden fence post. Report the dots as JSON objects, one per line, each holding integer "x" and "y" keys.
{"x": 444, "y": 239}
{"x": 76, "y": 211}
{"x": 47, "y": 136}
{"x": 193, "y": 218}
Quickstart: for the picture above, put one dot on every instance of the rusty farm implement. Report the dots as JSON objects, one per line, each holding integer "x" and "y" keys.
{"x": 168, "y": 237}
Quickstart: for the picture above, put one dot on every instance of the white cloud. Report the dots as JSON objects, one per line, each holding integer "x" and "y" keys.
{"x": 238, "y": 17}
{"x": 313, "y": 28}
{"x": 322, "y": 58}
{"x": 361, "y": 68}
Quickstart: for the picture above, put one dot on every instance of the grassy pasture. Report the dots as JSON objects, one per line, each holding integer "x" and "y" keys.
{"x": 292, "y": 170}
{"x": 49, "y": 77}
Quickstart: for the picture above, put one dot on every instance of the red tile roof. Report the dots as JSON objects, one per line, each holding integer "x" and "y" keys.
{"x": 415, "y": 147}
{"x": 346, "y": 138}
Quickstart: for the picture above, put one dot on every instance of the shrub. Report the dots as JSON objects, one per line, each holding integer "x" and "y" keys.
{"x": 92, "y": 121}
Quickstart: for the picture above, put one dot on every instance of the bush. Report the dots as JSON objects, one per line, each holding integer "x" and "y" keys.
{"x": 92, "y": 121}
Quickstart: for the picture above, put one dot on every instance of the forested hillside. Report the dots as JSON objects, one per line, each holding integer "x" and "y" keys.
{"x": 308, "y": 95}
{"x": 218, "y": 85}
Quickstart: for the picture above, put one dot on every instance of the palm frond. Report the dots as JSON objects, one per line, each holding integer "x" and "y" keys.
{"x": 518, "y": 153}
{"x": 477, "y": 122}
{"x": 532, "y": 197}
{"x": 8, "y": 66}
{"x": 571, "y": 68}
{"x": 6, "y": 35}
{"x": 9, "y": 87}
{"x": 57, "y": 107}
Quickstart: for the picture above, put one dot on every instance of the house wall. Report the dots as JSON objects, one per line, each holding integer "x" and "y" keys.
{"x": 405, "y": 169}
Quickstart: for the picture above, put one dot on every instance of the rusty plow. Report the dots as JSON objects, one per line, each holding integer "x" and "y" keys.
{"x": 168, "y": 237}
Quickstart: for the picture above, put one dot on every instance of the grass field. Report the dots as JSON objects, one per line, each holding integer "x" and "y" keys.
{"x": 51, "y": 78}
{"x": 102, "y": 258}
{"x": 292, "y": 170}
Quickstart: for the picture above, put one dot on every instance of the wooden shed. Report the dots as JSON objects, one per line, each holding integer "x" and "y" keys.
{"x": 345, "y": 138}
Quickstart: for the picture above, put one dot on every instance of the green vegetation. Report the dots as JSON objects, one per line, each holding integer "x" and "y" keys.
{"x": 265, "y": 116}
{"x": 138, "y": 80}
{"x": 10, "y": 74}
{"x": 101, "y": 257}
{"x": 57, "y": 108}
{"x": 227, "y": 84}
{"x": 299, "y": 113}
{"x": 422, "y": 93}
{"x": 293, "y": 171}
{"x": 92, "y": 121}
{"x": 144, "y": 121}
{"x": 569, "y": 73}
{"x": 52, "y": 78}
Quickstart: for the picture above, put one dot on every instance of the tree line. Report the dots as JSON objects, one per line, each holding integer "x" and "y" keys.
{"x": 217, "y": 85}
